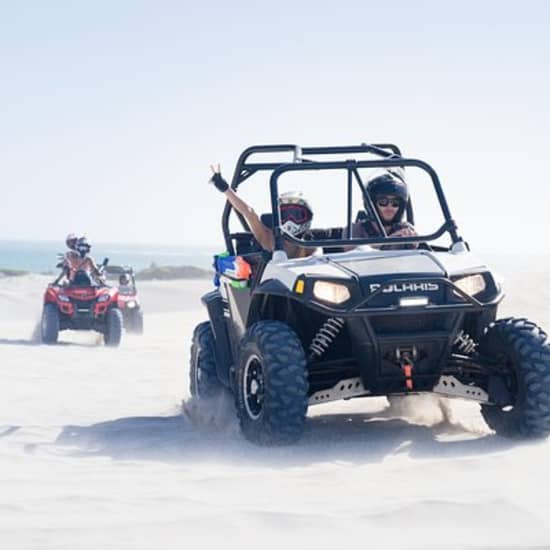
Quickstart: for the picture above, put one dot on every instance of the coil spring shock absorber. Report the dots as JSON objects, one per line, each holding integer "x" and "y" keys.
{"x": 325, "y": 336}
{"x": 464, "y": 342}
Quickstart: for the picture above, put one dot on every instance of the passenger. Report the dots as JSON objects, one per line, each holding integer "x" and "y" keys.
{"x": 70, "y": 241}
{"x": 389, "y": 194}
{"x": 64, "y": 258}
{"x": 296, "y": 215}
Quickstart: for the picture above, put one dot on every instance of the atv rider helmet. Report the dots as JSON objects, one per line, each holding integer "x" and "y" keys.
{"x": 391, "y": 182}
{"x": 83, "y": 247}
{"x": 70, "y": 241}
{"x": 296, "y": 213}
{"x": 124, "y": 279}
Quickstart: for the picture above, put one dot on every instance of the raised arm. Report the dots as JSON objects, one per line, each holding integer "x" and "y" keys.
{"x": 261, "y": 233}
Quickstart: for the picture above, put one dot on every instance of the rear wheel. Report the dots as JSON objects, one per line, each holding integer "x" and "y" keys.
{"x": 49, "y": 327}
{"x": 138, "y": 322}
{"x": 113, "y": 328}
{"x": 203, "y": 379}
{"x": 522, "y": 350}
{"x": 272, "y": 384}
{"x": 134, "y": 321}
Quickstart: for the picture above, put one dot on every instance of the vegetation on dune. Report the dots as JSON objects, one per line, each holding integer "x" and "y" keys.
{"x": 5, "y": 272}
{"x": 153, "y": 272}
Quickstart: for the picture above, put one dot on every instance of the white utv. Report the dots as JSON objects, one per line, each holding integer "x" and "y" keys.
{"x": 360, "y": 320}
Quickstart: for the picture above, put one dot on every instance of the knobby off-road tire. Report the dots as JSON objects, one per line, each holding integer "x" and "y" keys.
{"x": 134, "y": 322}
{"x": 203, "y": 379}
{"x": 138, "y": 322}
{"x": 524, "y": 348}
{"x": 49, "y": 324}
{"x": 272, "y": 384}
{"x": 113, "y": 328}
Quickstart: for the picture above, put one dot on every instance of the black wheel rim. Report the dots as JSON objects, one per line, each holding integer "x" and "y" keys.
{"x": 253, "y": 387}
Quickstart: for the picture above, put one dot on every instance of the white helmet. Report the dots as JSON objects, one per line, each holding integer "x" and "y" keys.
{"x": 70, "y": 241}
{"x": 296, "y": 213}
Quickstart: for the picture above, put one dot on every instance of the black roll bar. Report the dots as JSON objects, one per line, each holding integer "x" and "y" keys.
{"x": 390, "y": 156}
{"x": 351, "y": 165}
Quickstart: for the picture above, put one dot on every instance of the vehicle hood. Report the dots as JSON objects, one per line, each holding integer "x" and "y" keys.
{"x": 394, "y": 264}
{"x": 368, "y": 264}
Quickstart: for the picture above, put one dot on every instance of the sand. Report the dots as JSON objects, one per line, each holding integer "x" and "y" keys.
{"x": 95, "y": 452}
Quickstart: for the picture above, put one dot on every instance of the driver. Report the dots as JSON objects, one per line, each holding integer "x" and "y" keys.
{"x": 389, "y": 194}
{"x": 296, "y": 216}
{"x": 77, "y": 259}
{"x": 125, "y": 283}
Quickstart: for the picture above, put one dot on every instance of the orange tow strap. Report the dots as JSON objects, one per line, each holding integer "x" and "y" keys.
{"x": 407, "y": 371}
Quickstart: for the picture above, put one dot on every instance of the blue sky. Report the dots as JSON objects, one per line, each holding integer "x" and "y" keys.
{"x": 112, "y": 111}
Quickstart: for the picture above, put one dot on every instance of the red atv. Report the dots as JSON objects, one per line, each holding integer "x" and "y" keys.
{"x": 128, "y": 300}
{"x": 81, "y": 305}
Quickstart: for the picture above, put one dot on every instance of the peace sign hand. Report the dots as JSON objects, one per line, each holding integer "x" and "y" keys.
{"x": 216, "y": 180}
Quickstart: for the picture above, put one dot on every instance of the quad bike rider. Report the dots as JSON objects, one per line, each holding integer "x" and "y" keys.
{"x": 77, "y": 259}
{"x": 79, "y": 299}
{"x": 358, "y": 318}
{"x": 128, "y": 300}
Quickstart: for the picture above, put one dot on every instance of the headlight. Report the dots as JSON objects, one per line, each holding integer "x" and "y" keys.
{"x": 63, "y": 298}
{"x": 472, "y": 284}
{"x": 131, "y": 304}
{"x": 331, "y": 292}
{"x": 104, "y": 298}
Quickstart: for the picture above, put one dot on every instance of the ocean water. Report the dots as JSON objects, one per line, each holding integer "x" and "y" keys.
{"x": 41, "y": 256}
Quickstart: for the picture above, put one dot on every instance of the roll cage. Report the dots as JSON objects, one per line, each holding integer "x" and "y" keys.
{"x": 389, "y": 156}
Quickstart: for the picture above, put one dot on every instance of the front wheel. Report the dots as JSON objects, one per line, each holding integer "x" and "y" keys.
{"x": 113, "y": 328}
{"x": 272, "y": 384}
{"x": 49, "y": 325}
{"x": 522, "y": 350}
{"x": 203, "y": 378}
{"x": 134, "y": 322}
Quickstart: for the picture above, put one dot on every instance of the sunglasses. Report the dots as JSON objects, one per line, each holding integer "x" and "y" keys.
{"x": 295, "y": 212}
{"x": 395, "y": 203}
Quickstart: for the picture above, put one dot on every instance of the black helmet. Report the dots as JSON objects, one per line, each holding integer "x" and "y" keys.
{"x": 391, "y": 182}
{"x": 83, "y": 247}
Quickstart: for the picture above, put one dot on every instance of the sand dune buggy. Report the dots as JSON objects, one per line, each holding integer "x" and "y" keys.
{"x": 81, "y": 305}
{"x": 129, "y": 304}
{"x": 358, "y": 320}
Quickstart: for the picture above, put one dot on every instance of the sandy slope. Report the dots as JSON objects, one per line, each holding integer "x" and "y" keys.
{"x": 95, "y": 453}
